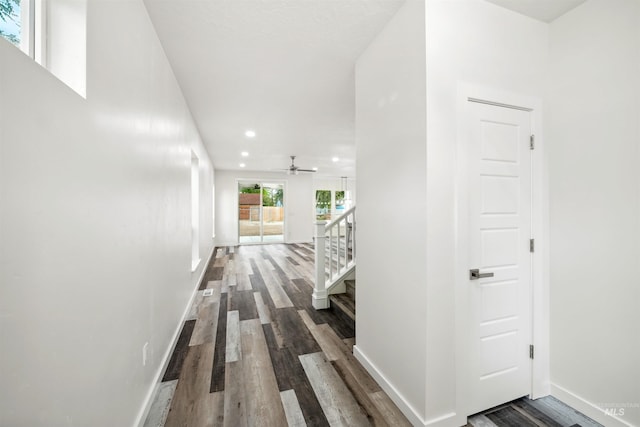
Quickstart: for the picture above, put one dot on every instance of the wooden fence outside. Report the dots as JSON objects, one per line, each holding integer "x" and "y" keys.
{"x": 270, "y": 213}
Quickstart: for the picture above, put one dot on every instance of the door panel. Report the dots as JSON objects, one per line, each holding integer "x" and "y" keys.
{"x": 499, "y": 194}
{"x": 497, "y": 142}
{"x": 500, "y": 228}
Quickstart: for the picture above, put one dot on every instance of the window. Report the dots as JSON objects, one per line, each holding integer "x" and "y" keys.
{"x": 260, "y": 212}
{"x": 53, "y": 33}
{"x": 323, "y": 205}
{"x": 11, "y": 21}
{"x": 340, "y": 202}
{"x": 195, "y": 212}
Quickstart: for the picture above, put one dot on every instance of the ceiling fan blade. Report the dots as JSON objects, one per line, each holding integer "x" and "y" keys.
{"x": 293, "y": 169}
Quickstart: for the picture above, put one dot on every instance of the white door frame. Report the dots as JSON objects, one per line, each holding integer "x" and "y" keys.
{"x": 539, "y": 225}
{"x": 261, "y": 181}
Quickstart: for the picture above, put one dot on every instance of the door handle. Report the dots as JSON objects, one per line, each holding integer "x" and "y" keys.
{"x": 474, "y": 274}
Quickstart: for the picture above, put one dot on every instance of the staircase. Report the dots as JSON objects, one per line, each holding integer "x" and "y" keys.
{"x": 344, "y": 304}
{"x": 335, "y": 259}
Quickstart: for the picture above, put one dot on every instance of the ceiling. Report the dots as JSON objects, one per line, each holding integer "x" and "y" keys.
{"x": 282, "y": 68}
{"x": 542, "y": 10}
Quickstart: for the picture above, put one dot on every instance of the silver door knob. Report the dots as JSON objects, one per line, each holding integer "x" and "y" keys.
{"x": 474, "y": 274}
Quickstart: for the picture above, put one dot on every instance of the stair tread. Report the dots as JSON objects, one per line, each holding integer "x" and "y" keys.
{"x": 345, "y": 303}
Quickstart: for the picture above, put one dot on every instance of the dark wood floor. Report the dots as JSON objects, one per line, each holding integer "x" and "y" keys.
{"x": 253, "y": 352}
{"x": 545, "y": 412}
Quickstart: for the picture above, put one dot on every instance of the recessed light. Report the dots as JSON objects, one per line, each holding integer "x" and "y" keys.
{"x": 315, "y": 168}
{"x": 250, "y": 133}
{"x": 244, "y": 153}
{"x": 242, "y": 165}
{"x": 335, "y": 159}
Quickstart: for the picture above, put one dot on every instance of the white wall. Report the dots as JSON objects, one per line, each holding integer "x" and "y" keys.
{"x": 298, "y": 202}
{"x": 95, "y": 236}
{"x": 480, "y": 43}
{"x": 594, "y": 128}
{"x": 406, "y": 309}
{"x": 587, "y": 73}
{"x": 391, "y": 186}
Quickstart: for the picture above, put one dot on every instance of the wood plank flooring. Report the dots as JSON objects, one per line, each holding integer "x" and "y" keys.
{"x": 255, "y": 353}
{"x": 545, "y": 412}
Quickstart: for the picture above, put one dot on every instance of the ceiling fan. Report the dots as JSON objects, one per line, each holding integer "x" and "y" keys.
{"x": 294, "y": 170}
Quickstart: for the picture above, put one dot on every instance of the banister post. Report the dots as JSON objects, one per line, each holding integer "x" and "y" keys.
{"x": 320, "y": 298}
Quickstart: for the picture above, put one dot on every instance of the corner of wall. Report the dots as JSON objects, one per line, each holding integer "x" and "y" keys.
{"x": 396, "y": 396}
{"x": 609, "y": 417}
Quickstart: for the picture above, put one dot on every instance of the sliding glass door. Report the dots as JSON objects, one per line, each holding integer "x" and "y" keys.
{"x": 260, "y": 212}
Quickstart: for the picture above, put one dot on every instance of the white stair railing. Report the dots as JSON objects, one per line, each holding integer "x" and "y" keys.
{"x": 335, "y": 254}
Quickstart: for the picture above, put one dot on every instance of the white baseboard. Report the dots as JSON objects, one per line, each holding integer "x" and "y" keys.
{"x": 446, "y": 420}
{"x": 408, "y": 411}
{"x": 148, "y": 401}
{"x": 288, "y": 242}
{"x": 221, "y": 244}
{"x": 590, "y": 409}
{"x": 320, "y": 299}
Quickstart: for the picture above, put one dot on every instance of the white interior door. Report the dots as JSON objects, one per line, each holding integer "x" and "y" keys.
{"x": 499, "y": 171}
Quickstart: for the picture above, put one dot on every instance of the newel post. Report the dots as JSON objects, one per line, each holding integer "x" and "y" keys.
{"x": 320, "y": 298}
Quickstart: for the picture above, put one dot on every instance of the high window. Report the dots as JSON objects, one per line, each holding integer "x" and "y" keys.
{"x": 53, "y": 33}
{"x": 11, "y": 21}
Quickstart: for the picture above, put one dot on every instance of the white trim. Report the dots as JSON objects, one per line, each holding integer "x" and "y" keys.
{"x": 295, "y": 242}
{"x": 498, "y": 104}
{"x": 213, "y": 201}
{"x": 40, "y": 32}
{"x": 148, "y": 400}
{"x": 450, "y": 419}
{"x": 587, "y": 408}
{"x": 540, "y": 334}
{"x": 540, "y": 377}
{"x": 285, "y": 197}
{"x": 320, "y": 299}
{"x": 340, "y": 287}
{"x": 339, "y": 279}
{"x": 195, "y": 211}
{"x": 220, "y": 244}
{"x": 397, "y": 398}
{"x": 446, "y": 420}
{"x": 195, "y": 264}
{"x": 27, "y": 19}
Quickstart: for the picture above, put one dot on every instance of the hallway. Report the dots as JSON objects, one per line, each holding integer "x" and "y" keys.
{"x": 254, "y": 352}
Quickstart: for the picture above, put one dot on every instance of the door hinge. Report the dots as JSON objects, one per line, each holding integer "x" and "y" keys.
{"x": 532, "y": 142}
{"x": 531, "y": 351}
{"x": 532, "y": 245}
